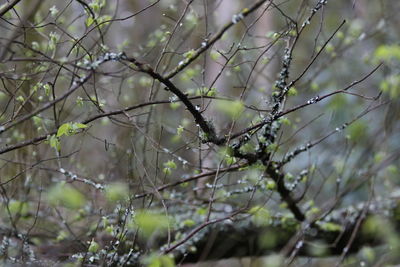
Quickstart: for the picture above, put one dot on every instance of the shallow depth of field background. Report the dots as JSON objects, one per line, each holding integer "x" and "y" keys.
{"x": 77, "y": 189}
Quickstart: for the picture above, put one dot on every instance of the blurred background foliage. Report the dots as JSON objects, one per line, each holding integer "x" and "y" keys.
{"x": 75, "y": 193}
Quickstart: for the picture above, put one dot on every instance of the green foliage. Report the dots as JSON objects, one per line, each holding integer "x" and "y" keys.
{"x": 338, "y": 102}
{"x": 149, "y": 223}
{"x": 40, "y": 86}
{"x": 318, "y": 249}
{"x": 79, "y": 101}
{"x": 214, "y": 55}
{"x": 372, "y": 227}
{"x": 169, "y": 166}
{"x": 368, "y": 254}
{"x": 20, "y": 99}
{"x": 93, "y": 247}
{"x": 37, "y": 121}
{"x": 329, "y": 226}
{"x": 191, "y": 19}
{"x": 387, "y": 52}
{"x": 201, "y": 211}
{"x": 268, "y": 239}
{"x": 155, "y": 260}
{"x": 230, "y": 160}
{"x": 62, "y": 235}
{"x": 89, "y": 21}
{"x": 276, "y": 260}
{"x": 270, "y": 185}
{"x": 53, "y": 11}
{"x": 391, "y": 86}
{"x": 188, "y": 223}
{"x": 233, "y": 109}
{"x": 189, "y": 73}
{"x": 179, "y": 130}
{"x": 96, "y": 5}
{"x": 54, "y": 37}
{"x": 18, "y": 207}
{"x": 314, "y": 87}
{"x": 65, "y": 195}
{"x": 212, "y": 91}
{"x": 54, "y": 142}
{"x": 69, "y": 129}
{"x": 104, "y": 20}
{"x": 285, "y": 121}
{"x": 272, "y": 148}
{"x": 379, "y": 156}
{"x": 160, "y": 35}
{"x": 189, "y": 54}
{"x": 247, "y": 148}
{"x": 357, "y": 131}
{"x": 292, "y": 91}
{"x": 145, "y": 81}
{"x": 237, "y": 69}
{"x": 175, "y": 105}
{"x": 136, "y": 190}
{"x": 260, "y": 215}
{"x": 117, "y": 192}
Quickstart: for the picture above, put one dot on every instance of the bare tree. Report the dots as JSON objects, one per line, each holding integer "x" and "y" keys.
{"x": 161, "y": 133}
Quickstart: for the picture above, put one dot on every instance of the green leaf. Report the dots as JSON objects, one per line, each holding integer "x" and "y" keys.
{"x": 236, "y": 69}
{"x": 167, "y": 171}
{"x": 379, "y": 156}
{"x": 37, "y": 120}
{"x": 155, "y": 260}
{"x": 104, "y": 20}
{"x": 70, "y": 128}
{"x": 357, "y": 131}
{"x": 214, "y": 55}
{"x": 94, "y": 247}
{"x": 188, "y": 223}
{"x": 54, "y": 37}
{"x": 89, "y": 21}
{"x": 149, "y": 223}
{"x": 201, "y": 211}
{"x": 170, "y": 164}
{"x": 64, "y": 129}
{"x": 62, "y": 235}
{"x": 18, "y": 207}
{"x": 145, "y": 81}
{"x": 292, "y": 91}
{"x": 189, "y": 54}
{"x": 387, "y": 52}
{"x": 271, "y": 185}
{"x": 179, "y": 130}
{"x": 191, "y": 19}
{"x": 230, "y": 160}
{"x": 47, "y": 89}
{"x": 285, "y": 121}
{"x": 337, "y": 102}
{"x": 391, "y": 86}
{"x": 77, "y": 125}
{"x": 330, "y": 227}
{"x": 212, "y": 91}
{"x": 261, "y": 215}
{"x": 20, "y": 99}
{"x": 314, "y": 87}
{"x": 53, "y": 11}
{"x": 174, "y": 105}
{"x": 368, "y": 254}
{"x": 117, "y": 192}
{"x": 54, "y": 142}
{"x": 233, "y": 109}
{"x": 65, "y": 195}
